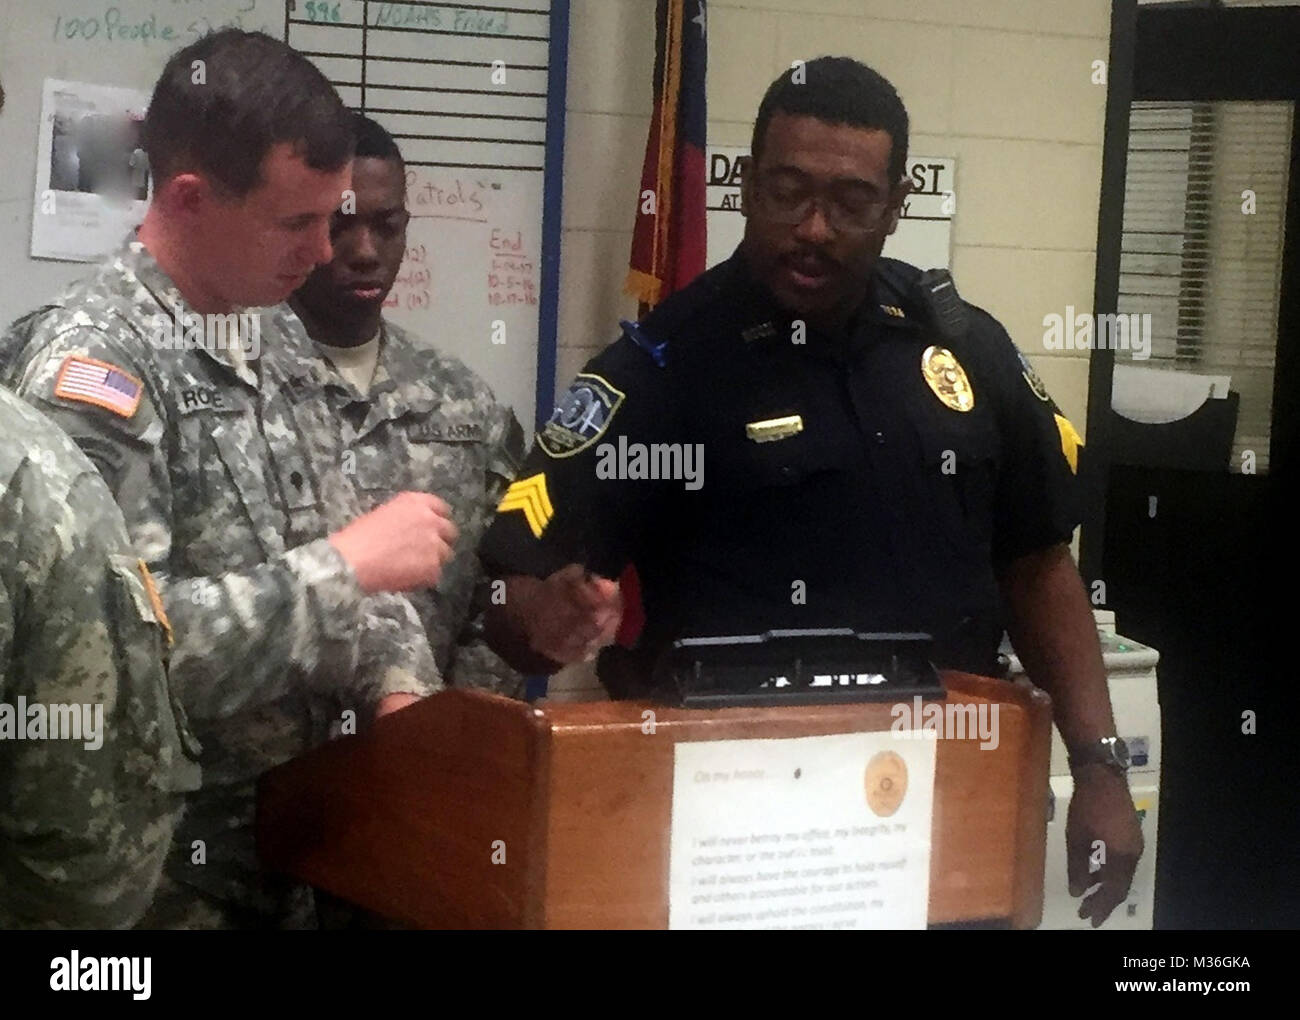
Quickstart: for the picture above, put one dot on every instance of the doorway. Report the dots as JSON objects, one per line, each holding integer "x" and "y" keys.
{"x": 1193, "y": 441}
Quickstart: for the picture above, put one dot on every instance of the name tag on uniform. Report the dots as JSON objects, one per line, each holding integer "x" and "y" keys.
{"x": 445, "y": 432}
{"x": 772, "y": 429}
{"x": 204, "y": 398}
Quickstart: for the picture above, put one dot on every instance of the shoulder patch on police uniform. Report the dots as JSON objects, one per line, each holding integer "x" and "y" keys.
{"x": 529, "y": 496}
{"x": 945, "y": 376}
{"x": 657, "y": 351}
{"x": 99, "y": 383}
{"x": 581, "y": 416}
{"x": 1031, "y": 377}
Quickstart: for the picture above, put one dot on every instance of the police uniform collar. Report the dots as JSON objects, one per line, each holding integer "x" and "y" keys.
{"x": 888, "y": 303}
{"x": 764, "y": 317}
{"x": 891, "y": 301}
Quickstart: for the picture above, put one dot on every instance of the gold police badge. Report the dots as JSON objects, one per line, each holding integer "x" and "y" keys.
{"x": 947, "y": 378}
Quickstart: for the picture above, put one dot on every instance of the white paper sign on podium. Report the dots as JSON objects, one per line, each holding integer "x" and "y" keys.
{"x": 805, "y": 832}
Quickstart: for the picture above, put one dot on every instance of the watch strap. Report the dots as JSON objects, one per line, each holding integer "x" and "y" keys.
{"x": 1105, "y": 751}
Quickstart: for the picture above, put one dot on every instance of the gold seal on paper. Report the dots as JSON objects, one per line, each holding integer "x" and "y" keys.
{"x": 885, "y": 782}
{"x": 944, "y": 374}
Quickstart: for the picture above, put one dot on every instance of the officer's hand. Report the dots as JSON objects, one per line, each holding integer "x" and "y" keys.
{"x": 1101, "y": 812}
{"x": 569, "y": 616}
{"x": 400, "y": 546}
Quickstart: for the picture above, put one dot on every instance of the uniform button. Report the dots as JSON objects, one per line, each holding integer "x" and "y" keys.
{"x": 880, "y": 438}
{"x": 786, "y": 471}
{"x": 296, "y": 478}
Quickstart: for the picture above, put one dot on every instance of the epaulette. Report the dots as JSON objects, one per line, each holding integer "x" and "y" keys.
{"x": 679, "y": 314}
{"x": 945, "y": 311}
{"x": 895, "y": 280}
{"x": 13, "y": 345}
{"x": 657, "y": 351}
{"x": 927, "y": 296}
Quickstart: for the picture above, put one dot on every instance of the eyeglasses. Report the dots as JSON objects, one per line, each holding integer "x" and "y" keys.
{"x": 786, "y": 196}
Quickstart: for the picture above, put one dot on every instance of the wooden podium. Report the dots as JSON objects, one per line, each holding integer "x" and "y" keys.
{"x": 405, "y": 819}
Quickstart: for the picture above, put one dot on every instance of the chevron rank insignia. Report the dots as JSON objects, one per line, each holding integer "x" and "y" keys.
{"x": 1071, "y": 441}
{"x": 529, "y": 496}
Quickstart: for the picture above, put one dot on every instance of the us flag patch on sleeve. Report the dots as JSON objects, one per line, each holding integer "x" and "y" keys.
{"x": 99, "y": 383}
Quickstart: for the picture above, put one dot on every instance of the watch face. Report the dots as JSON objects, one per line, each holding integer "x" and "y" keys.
{"x": 1120, "y": 751}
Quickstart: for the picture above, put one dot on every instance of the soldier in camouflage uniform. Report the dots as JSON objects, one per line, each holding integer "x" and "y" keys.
{"x": 411, "y": 417}
{"x": 226, "y": 461}
{"x": 83, "y": 828}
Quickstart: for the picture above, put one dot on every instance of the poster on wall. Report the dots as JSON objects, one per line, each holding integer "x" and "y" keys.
{"x": 924, "y": 234}
{"x": 92, "y": 177}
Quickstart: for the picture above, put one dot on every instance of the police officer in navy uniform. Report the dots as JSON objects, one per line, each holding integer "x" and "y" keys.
{"x": 810, "y": 435}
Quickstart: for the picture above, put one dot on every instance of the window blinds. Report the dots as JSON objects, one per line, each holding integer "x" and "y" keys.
{"x": 1204, "y": 212}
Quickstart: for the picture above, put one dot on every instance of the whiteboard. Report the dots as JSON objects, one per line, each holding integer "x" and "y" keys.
{"x": 478, "y": 281}
{"x": 464, "y": 91}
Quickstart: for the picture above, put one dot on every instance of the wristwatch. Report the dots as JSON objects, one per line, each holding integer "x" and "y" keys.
{"x": 1109, "y": 751}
